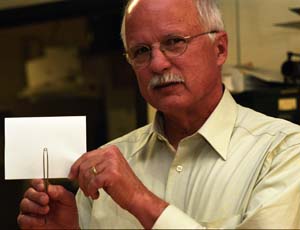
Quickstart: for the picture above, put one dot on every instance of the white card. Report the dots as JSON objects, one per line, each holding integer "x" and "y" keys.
{"x": 26, "y": 137}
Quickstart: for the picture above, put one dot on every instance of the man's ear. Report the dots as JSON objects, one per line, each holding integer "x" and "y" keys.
{"x": 221, "y": 47}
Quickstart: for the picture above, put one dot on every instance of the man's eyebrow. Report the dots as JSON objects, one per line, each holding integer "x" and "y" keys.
{"x": 134, "y": 45}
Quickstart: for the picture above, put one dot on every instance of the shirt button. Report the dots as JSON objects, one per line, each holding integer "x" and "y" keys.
{"x": 179, "y": 168}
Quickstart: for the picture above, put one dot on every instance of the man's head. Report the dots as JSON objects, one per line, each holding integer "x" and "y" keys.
{"x": 209, "y": 16}
{"x": 176, "y": 48}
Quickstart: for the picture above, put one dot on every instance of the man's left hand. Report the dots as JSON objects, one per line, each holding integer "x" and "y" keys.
{"x": 108, "y": 169}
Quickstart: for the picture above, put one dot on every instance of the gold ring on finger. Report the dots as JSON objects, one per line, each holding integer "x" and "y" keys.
{"x": 94, "y": 170}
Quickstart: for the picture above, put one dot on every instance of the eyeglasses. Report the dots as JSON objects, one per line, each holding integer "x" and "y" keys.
{"x": 171, "y": 46}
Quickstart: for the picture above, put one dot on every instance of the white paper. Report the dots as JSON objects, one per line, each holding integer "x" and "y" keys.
{"x": 25, "y": 139}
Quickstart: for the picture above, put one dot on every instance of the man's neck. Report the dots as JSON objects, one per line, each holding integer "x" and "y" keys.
{"x": 176, "y": 128}
{"x": 187, "y": 122}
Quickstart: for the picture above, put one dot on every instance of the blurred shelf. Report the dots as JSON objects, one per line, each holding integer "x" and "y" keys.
{"x": 28, "y": 14}
{"x": 64, "y": 91}
{"x": 296, "y": 10}
{"x": 294, "y": 25}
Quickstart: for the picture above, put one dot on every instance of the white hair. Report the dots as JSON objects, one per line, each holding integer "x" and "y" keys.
{"x": 209, "y": 16}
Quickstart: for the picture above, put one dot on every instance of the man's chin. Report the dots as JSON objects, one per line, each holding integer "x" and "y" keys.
{"x": 170, "y": 105}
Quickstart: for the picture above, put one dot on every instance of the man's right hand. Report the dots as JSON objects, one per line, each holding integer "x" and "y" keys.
{"x": 53, "y": 210}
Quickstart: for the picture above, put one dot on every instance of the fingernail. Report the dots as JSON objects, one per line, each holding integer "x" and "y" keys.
{"x": 70, "y": 176}
{"x": 43, "y": 199}
{"x": 40, "y": 186}
{"x": 95, "y": 196}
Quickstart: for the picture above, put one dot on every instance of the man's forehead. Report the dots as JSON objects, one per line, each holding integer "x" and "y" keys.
{"x": 160, "y": 18}
{"x": 133, "y": 5}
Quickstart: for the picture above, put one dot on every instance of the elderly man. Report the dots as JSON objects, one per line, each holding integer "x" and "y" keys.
{"x": 205, "y": 162}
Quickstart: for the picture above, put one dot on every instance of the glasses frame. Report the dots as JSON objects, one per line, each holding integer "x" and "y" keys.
{"x": 187, "y": 40}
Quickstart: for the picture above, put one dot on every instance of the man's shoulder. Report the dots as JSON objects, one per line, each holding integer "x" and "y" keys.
{"x": 133, "y": 141}
{"x": 134, "y": 136}
{"x": 258, "y": 124}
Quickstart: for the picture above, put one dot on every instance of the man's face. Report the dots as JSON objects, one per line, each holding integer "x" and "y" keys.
{"x": 199, "y": 66}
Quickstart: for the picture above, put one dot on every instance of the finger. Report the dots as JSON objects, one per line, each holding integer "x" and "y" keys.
{"x": 85, "y": 173}
{"x": 59, "y": 193}
{"x": 38, "y": 184}
{"x": 40, "y": 198}
{"x": 29, "y": 207}
{"x": 94, "y": 186}
{"x": 85, "y": 170}
{"x": 86, "y": 177}
{"x": 74, "y": 171}
{"x": 94, "y": 193}
{"x": 95, "y": 196}
{"x": 28, "y": 222}
{"x": 104, "y": 172}
{"x": 97, "y": 181}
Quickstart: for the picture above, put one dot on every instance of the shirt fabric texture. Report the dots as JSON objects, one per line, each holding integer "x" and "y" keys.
{"x": 241, "y": 169}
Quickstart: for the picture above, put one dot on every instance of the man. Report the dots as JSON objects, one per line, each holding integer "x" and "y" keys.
{"x": 206, "y": 162}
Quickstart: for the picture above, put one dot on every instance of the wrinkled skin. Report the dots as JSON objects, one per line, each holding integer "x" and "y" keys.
{"x": 114, "y": 175}
{"x": 39, "y": 210}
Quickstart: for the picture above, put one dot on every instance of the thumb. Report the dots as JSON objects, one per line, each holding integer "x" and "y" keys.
{"x": 62, "y": 195}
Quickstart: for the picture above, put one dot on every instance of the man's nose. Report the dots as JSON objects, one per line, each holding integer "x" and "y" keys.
{"x": 159, "y": 62}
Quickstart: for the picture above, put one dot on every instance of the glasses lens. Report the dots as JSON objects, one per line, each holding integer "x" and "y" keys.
{"x": 139, "y": 55}
{"x": 174, "y": 46}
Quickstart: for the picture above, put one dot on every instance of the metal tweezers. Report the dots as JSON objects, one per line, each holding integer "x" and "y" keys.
{"x": 46, "y": 169}
{"x": 45, "y": 172}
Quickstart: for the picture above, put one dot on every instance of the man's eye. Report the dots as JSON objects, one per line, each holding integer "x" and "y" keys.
{"x": 139, "y": 51}
{"x": 174, "y": 41}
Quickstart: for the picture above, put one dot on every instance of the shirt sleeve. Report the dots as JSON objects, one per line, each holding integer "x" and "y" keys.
{"x": 167, "y": 220}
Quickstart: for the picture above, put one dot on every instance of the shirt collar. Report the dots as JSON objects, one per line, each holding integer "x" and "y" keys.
{"x": 218, "y": 128}
{"x": 158, "y": 125}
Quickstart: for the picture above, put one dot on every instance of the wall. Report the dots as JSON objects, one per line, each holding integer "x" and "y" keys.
{"x": 262, "y": 44}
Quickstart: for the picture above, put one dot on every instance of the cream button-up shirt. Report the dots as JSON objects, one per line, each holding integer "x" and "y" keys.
{"x": 240, "y": 170}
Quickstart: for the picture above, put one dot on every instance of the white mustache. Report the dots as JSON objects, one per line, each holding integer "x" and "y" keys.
{"x": 167, "y": 78}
